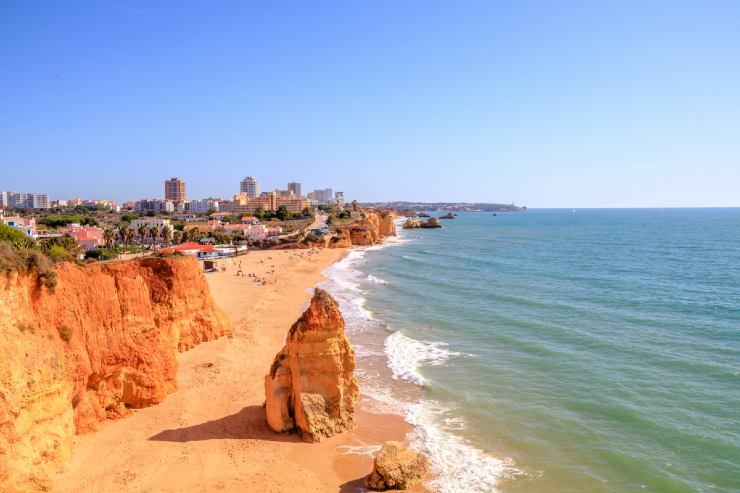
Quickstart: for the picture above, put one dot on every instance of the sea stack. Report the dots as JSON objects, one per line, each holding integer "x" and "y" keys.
{"x": 311, "y": 386}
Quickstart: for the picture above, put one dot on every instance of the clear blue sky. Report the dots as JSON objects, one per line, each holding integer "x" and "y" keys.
{"x": 545, "y": 104}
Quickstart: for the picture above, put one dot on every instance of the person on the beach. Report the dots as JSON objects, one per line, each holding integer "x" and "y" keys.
{"x": 239, "y": 271}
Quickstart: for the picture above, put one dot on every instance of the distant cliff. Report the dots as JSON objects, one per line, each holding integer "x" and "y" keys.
{"x": 447, "y": 206}
{"x": 105, "y": 340}
{"x": 373, "y": 228}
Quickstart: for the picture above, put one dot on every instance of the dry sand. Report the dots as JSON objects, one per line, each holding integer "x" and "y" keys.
{"x": 211, "y": 434}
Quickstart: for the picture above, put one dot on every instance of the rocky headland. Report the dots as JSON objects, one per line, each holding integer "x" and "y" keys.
{"x": 105, "y": 340}
{"x": 372, "y": 229}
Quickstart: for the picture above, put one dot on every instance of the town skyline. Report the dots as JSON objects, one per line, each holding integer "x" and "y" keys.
{"x": 633, "y": 105}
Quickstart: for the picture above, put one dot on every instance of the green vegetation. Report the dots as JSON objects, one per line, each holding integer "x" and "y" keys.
{"x": 57, "y": 221}
{"x": 13, "y": 259}
{"x": 15, "y": 237}
{"x": 58, "y": 253}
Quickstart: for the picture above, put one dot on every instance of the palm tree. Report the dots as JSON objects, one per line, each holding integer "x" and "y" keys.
{"x": 142, "y": 233}
{"x": 123, "y": 234}
{"x": 130, "y": 234}
{"x": 177, "y": 237}
{"x": 154, "y": 233}
{"x": 109, "y": 236}
{"x": 194, "y": 234}
{"x": 166, "y": 234}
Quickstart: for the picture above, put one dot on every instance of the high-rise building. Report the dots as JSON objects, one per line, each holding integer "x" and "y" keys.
{"x": 250, "y": 186}
{"x": 321, "y": 197}
{"x": 25, "y": 200}
{"x": 339, "y": 197}
{"x": 295, "y": 187}
{"x": 174, "y": 190}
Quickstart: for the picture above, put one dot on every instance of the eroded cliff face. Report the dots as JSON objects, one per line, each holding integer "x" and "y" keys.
{"x": 311, "y": 386}
{"x": 104, "y": 341}
{"x": 375, "y": 226}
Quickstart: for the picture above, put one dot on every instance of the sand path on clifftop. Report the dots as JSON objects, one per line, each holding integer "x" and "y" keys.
{"x": 211, "y": 434}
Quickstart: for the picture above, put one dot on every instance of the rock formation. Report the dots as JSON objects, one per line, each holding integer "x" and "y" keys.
{"x": 432, "y": 222}
{"x": 449, "y": 215}
{"x": 311, "y": 386}
{"x": 104, "y": 341}
{"x": 372, "y": 229}
{"x": 396, "y": 467}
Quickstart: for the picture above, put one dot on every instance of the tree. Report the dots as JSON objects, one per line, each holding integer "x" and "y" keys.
{"x": 177, "y": 237}
{"x": 123, "y": 230}
{"x": 130, "y": 235}
{"x": 166, "y": 234}
{"x": 142, "y": 233}
{"x": 109, "y": 236}
{"x": 282, "y": 213}
{"x": 154, "y": 233}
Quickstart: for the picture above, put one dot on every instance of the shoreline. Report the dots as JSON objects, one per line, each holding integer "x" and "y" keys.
{"x": 211, "y": 433}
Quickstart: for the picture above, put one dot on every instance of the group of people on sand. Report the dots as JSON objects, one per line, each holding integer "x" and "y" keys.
{"x": 260, "y": 281}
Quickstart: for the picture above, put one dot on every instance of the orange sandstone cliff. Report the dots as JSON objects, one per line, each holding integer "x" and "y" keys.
{"x": 372, "y": 229}
{"x": 104, "y": 341}
{"x": 311, "y": 386}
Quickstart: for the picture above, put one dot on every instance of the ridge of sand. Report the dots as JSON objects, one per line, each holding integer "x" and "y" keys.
{"x": 211, "y": 435}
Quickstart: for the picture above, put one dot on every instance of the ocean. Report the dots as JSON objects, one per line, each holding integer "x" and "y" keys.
{"x": 584, "y": 351}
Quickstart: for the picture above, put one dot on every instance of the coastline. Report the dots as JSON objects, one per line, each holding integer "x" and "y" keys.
{"x": 211, "y": 434}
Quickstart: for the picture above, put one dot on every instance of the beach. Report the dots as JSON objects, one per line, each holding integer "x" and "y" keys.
{"x": 211, "y": 434}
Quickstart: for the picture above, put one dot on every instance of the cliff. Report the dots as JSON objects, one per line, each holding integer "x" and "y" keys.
{"x": 311, "y": 386}
{"x": 373, "y": 228}
{"x": 104, "y": 341}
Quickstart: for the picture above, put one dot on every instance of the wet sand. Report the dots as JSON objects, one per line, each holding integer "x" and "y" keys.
{"x": 211, "y": 435}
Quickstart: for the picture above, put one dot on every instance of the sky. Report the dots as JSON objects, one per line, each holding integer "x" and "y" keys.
{"x": 545, "y": 104}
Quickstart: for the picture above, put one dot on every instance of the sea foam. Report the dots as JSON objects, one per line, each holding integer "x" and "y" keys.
{"x": 405, "y": 355}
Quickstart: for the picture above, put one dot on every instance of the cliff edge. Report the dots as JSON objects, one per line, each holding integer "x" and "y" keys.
{"x": 104, "y": 341}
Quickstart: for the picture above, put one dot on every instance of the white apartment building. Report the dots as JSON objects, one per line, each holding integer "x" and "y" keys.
{"x": 250, "y": 186}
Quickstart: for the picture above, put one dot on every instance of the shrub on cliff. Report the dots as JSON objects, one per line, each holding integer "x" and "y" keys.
{"x": 25, "y": 260}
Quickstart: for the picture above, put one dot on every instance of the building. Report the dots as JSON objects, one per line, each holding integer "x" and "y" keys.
{"x": 250, "y": 186}
{"x": 203, "y": 206}
{"x": 156, "y": 205}
{"x": 89, "y": 237}
{"x": 268, "y": 201}
{"x": 339, "y": 198}
{"x": 27, "y": 226}
{"x": 174, "y": 190}
{"x": 321, "y": 197}
{"x": 295, "y": 187}
{"x": 150, "y": 222}
{"x": 24, "y": 200}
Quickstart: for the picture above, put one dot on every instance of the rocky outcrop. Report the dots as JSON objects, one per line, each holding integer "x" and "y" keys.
{"x": 373, "y": 228}
{"x": 396, "y": 468}
{"x": 431, "y": 223}
{"x": 311, "y": 386}
{"x": 104, "y": 341}
{"x": 449, "y": 215}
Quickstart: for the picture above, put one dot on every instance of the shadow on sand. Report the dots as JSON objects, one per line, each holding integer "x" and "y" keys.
{"x": 354, "y": 486}
{"x": 250, "y": 422}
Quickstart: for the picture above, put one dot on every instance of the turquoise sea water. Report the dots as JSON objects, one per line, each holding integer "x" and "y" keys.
{"x": 552, "y": 350}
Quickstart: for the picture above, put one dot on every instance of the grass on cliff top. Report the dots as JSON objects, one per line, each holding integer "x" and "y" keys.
{"x": 18, "y": 259}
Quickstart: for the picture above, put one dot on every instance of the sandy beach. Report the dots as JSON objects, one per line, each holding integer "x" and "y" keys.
{"x": 211, "y": 435}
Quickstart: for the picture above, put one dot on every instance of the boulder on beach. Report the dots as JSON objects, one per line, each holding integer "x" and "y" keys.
{"x": 396, "y": 468}
{"x": 311, "y": 386}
